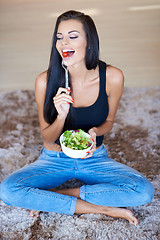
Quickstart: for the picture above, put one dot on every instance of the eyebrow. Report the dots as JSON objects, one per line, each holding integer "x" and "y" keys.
{"x": 70, "y": 32}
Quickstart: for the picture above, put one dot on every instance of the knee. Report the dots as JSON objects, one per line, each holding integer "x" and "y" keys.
{"x": 8, "y": 191}
{"x": 147, "y": 192}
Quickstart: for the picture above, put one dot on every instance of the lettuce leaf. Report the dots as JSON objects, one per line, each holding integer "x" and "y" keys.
{"x": 76, "y": 139}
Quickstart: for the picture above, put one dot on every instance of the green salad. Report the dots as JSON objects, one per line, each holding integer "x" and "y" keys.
{"x": 76, "y": 139}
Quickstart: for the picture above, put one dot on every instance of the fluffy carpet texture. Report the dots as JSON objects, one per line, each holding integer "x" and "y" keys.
{"x": 134, "y": 140}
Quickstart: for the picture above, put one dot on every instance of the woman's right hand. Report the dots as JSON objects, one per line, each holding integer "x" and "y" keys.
{"x": 62, "y": 101}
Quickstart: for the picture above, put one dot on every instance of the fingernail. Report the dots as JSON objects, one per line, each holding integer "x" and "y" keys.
{"x": 68, "y": 90}
{"x": 92, "y": 140}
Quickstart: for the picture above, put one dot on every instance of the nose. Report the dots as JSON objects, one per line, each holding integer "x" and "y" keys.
{"x": 65, "y": 41}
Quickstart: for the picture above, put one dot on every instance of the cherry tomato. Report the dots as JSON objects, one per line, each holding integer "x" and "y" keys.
{"x": 65, "y": 54}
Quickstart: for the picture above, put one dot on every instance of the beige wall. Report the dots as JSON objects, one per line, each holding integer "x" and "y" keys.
{"x": 129, "y": 38}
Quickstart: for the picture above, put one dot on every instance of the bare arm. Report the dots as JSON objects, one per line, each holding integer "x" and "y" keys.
{"x": 50, "y": 133}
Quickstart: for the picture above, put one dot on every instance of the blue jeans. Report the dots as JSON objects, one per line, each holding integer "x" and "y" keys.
{"x": 106, "y": 183}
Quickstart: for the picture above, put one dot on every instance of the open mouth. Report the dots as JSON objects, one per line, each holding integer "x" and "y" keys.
{"x": 67, "y": 53}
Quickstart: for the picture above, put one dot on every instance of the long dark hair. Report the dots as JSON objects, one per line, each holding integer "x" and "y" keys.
{"x": 56, "y": 74}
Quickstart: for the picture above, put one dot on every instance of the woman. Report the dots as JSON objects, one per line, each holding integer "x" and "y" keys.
{"x": 90, "y": 103}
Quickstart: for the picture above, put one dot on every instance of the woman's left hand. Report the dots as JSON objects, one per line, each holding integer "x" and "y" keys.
{"x": 93, "y": 139}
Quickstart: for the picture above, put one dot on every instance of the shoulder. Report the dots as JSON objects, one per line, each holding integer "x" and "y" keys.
{"x": 114, "y": 79}
{"x": 41, "y": 80}
{"x": 40, "y": 85}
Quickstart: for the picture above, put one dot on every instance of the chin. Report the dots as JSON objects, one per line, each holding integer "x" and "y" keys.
{"x": 72, "y": 62}
{"x": 77, "y": 63}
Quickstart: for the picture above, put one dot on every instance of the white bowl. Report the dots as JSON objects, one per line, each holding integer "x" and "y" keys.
{"x": 72, "y": 152}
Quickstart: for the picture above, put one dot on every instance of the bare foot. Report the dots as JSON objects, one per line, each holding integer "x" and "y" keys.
{"x": 34, "y": 214}
{"x": 121, "y": 213}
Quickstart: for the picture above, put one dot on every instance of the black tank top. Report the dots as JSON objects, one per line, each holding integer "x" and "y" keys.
{"x": 96, "y": 114}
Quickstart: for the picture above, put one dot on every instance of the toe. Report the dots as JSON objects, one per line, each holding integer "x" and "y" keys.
{"x": 34, "y": 214}
{"x": 133, "y": 221}
{"x": 31, "y": 214}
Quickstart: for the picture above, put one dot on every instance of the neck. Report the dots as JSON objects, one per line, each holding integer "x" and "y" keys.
{"x": 80, "y": 74}
{"x": 78, "y": 71}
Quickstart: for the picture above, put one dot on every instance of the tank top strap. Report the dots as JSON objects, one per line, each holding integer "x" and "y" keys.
{"x": 102, "y": 72}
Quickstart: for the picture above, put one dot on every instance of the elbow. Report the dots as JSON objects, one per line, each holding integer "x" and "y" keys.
{"x": 109, "y": 124}
{"x": 111, "y": 127}
{"x": 47, "y": 137}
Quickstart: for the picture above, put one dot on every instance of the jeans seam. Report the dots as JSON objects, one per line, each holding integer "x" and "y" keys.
{"x": 135, "y": 184}
{"x": 75, "y": 167}
{"x": 115, "y": 190}
{"x": 34, "y": 191}
{"x": 40, "y": 174}
{"x": 117, "y": 175}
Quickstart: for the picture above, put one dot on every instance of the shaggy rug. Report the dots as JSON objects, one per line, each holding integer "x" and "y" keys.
{"x": 134, "y": 140}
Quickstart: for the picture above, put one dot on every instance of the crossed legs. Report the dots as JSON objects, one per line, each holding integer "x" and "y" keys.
{"x": 86, "y": 207}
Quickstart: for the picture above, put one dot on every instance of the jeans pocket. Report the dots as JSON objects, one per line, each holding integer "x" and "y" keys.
{"x": 101, "y": 151}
